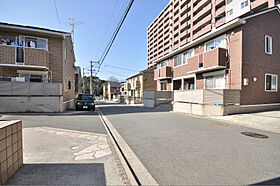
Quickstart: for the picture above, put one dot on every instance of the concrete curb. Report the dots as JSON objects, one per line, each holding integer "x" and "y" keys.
{"x": 142, "y": 174}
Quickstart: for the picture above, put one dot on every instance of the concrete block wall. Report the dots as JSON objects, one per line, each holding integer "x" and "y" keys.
{"x": 11, "y": 152}
{"x": 31, "y": 104}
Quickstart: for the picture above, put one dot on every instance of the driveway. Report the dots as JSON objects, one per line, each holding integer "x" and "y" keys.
{"x": 70, "y": 148}
{"x": 182, "y": 150}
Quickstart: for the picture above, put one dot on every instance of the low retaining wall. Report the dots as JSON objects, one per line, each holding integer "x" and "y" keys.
{"x": 11, "y": 154}
{"x": 31, "y": 104}
{"x": 220, "y": 110}
{"x": 155, "y": 98}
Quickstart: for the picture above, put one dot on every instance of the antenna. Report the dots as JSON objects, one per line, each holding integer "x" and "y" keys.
{"x": 73, "y": 22}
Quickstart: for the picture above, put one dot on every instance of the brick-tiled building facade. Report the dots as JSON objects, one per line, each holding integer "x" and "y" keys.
{"x": 231, "y": 62}
{"x": 31, "y": 55}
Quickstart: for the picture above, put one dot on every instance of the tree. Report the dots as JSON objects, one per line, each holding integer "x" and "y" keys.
{"x": 113, "y": 78}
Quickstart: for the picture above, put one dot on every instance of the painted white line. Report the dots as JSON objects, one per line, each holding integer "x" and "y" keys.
{"x": 143, "y": 175}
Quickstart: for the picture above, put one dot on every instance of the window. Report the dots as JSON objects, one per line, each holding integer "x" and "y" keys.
{"x": 164, "y": 63}
{"x": 163, "y": 85}
{"x": 42, "y": 43}
{"x": 31, "y": 42}
{"x": 216, "y": 43}
{"x": 186, "y": 55}
{"x": 230, "y": 12}
{"x": 244, "y": 4}
{"x": 268, "y": 44}
{"x": 271, "y": 82}
{"x": 189, "y": 84}
{"x": 177, "y": 60}
{"x": 229, "y": 1}
{"x": 69, "y": 85}
{"x": 215, "y": 82}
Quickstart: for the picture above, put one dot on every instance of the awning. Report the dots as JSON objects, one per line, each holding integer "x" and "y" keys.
{"x": 24, "y": 66}
{"x": 33, "y": 72}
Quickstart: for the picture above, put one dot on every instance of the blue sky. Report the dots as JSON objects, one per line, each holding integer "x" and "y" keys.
{"x": 100, "y": 18}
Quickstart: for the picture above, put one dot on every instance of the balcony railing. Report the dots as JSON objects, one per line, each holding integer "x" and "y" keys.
{"x": 30, "y": 89}
{"x": 210, "y": 60}
{"x": 163, "y": 73}
{"x": 32, "y": 56}
{"x": 208, "y": 96}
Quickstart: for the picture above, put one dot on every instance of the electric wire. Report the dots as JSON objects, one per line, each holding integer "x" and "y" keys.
{"x": 105, "y": 53}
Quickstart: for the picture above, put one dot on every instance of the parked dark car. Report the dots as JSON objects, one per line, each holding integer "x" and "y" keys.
{"x": 85, "y": 102}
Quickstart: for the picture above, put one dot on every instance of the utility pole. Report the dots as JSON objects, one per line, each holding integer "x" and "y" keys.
{"x": 90, "y": 79}
{"x": 84, "y": 83}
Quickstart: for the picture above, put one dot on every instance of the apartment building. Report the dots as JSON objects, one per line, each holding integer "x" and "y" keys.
{"x": 137, "y": 84}
{"x": 226, "y": 60}
{"x": 37, "y": 72}
{"x": 183, "y": 21}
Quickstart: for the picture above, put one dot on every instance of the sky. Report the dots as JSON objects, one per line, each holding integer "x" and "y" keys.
{"x": 99, "y": 19}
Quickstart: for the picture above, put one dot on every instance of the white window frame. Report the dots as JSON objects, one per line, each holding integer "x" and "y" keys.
{"x": 265, "y": 46}
{"x": 214, "y": 40}
{"x": 275, "y": 75}
{"x": 47, "y": 42}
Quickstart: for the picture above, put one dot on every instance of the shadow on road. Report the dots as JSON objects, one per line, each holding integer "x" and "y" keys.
{"x": 59, "y": 174}
{"x": 274, "y": 181}
{"x": 67, "y": 113}
{"x": 115, "y": 108}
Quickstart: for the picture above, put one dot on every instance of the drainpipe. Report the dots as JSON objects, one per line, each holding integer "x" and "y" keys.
{"x": 228, "y": 61}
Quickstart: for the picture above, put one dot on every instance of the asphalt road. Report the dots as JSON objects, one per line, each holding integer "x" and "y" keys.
{"x": 182, "y": 150}
{"x": 85, "y": 121}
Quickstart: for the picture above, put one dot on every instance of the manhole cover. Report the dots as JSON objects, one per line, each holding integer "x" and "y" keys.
{"x": 254, "y": 135}
{"x": 220, "y": 124}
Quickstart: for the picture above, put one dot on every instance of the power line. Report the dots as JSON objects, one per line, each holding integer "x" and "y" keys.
{"x": 105, "y": 53}
{"x": 57, "y": 14}
{"x": 121, "y": 68}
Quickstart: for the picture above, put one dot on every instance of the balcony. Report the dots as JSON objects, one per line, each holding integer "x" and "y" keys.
{"x": 33, "y": 57}
{"x": 210, "y": 60}
{"x": 163, "y": 73}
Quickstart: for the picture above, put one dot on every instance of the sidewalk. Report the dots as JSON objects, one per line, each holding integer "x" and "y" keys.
{"x": 268, "y": 120}
{"x": 59, "y": 149}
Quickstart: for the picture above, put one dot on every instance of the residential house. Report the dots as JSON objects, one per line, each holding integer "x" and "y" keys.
{"x": 217, "y": 57}
{"x": 139, "y": 83}
{"x": 37, "y": 72}
{"x": 111, "y": 90}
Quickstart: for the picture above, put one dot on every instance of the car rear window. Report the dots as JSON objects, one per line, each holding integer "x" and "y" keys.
{"x": 84, "y": 97}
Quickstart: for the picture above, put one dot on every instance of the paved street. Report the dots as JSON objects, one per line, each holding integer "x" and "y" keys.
{"x": 62, "y": 149}
{"x": 182, "y": 150}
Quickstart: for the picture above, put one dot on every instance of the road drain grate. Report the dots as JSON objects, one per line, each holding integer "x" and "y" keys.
{"x": 254, "y": 135}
